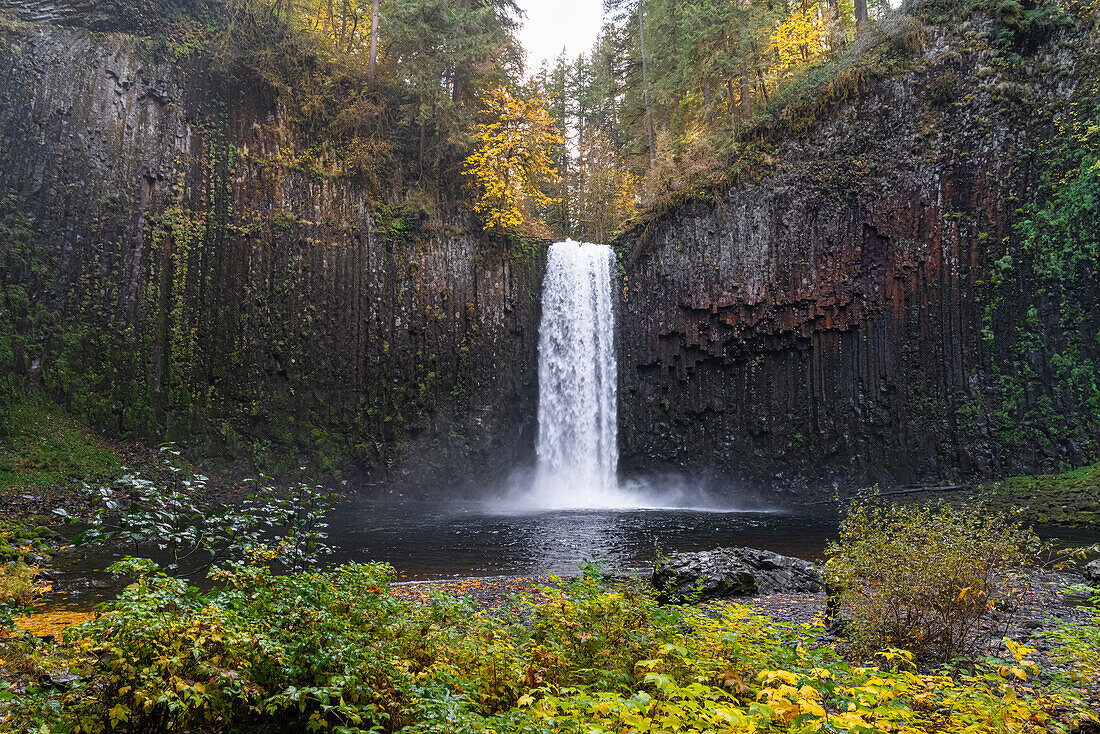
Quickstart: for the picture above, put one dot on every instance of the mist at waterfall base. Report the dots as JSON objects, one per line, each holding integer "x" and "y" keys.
{"x": 572, "y": 504}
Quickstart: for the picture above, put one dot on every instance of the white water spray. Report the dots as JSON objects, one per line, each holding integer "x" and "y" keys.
{"x": 578, "y": 453}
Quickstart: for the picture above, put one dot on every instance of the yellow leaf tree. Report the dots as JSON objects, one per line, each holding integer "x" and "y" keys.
{"x": 803, "y": 36}
{"x": 514, "y": 158}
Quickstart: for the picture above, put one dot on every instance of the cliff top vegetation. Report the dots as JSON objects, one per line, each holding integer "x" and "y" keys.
{"x": 675, "y": 99}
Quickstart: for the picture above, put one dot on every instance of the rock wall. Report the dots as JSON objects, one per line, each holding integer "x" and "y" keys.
{"x": 835, "y": 320}
{"x": 202, "y": 273}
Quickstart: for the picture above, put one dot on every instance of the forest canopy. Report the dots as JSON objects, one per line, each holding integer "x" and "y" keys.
{"x": 666, "y": 103}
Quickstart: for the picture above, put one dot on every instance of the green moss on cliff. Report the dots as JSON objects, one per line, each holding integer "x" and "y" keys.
{"x": 26, "y": 314}
{"x": 1042, "y": 314}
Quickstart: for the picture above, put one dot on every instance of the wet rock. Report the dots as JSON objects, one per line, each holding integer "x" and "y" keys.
{"x": 1031, "y": 625}
{"x": 1092, "y": 571}
{"x": 727, "y": 572}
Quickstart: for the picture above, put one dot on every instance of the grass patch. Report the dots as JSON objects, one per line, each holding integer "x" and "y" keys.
{"x": 42, "y": 446}
{"x": 1070, "y": 498}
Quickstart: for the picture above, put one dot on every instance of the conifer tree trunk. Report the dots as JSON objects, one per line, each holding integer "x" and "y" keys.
{"x": 746, "y": 86}
{"x": 373, "y": 63}
{"x": 861, "y": 12}
{"x": 760, "y": 77}
{"x": 645, "y": 83}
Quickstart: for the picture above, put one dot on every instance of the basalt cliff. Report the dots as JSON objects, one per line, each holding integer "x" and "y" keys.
{"x": 866, "y": 305}
{"x": 869, "y": 306}
{"x": 187, "y": 267}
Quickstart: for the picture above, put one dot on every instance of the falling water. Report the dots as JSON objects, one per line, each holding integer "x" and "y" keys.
{"x": 578, "y": 454}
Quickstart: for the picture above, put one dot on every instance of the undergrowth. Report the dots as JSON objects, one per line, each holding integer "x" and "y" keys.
{"x": 336, "y": 652}
{"x": 1079, "y": 645}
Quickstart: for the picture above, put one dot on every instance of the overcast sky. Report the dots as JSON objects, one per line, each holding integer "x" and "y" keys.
{"x": 551, "y": 24}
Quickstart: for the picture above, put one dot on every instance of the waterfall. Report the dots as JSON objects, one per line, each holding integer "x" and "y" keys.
{"x": 578, "y": 452}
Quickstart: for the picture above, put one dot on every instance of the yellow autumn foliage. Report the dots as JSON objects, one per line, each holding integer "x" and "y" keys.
{"x": 51, "y": 622}
{"x": 513, "y": 159}
{"x": 802, "y": 37}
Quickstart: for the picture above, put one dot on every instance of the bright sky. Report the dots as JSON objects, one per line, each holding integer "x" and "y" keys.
{"x": 551, "y": 24}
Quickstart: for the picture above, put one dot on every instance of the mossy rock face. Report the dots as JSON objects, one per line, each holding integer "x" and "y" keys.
{"x": 1070, "y": 498}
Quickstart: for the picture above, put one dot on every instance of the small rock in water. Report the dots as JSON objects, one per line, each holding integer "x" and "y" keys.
{"x": 726, "y": 572}
{"x": 1092, "y": 571}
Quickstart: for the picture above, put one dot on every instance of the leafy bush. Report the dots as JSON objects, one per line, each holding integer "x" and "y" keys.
{"x": 336, "y": 652}
{"x": 175, "y": 512}
{"x": 17, "y": 583}
{"x": 290, "y": 650}
{"x": 921, "y": 578}
{"x": 18, "y": 589}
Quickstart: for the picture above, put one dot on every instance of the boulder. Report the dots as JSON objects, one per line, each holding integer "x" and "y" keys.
{"x": 1092, "y": 571}
{"x": 728, "y": 572}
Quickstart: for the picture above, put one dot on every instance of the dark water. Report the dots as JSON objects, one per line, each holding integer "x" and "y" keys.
{"x": 424, "y": 540}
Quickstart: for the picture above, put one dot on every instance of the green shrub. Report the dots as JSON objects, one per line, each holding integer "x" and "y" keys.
{"x": 18, "y": 589}
{"x": 921, "y": 578}
{"x": 1079, "y": 645}
{"x": 170, "y": 507}
{"x": 291, "y": 650}
{"x": 17, "y": 584}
